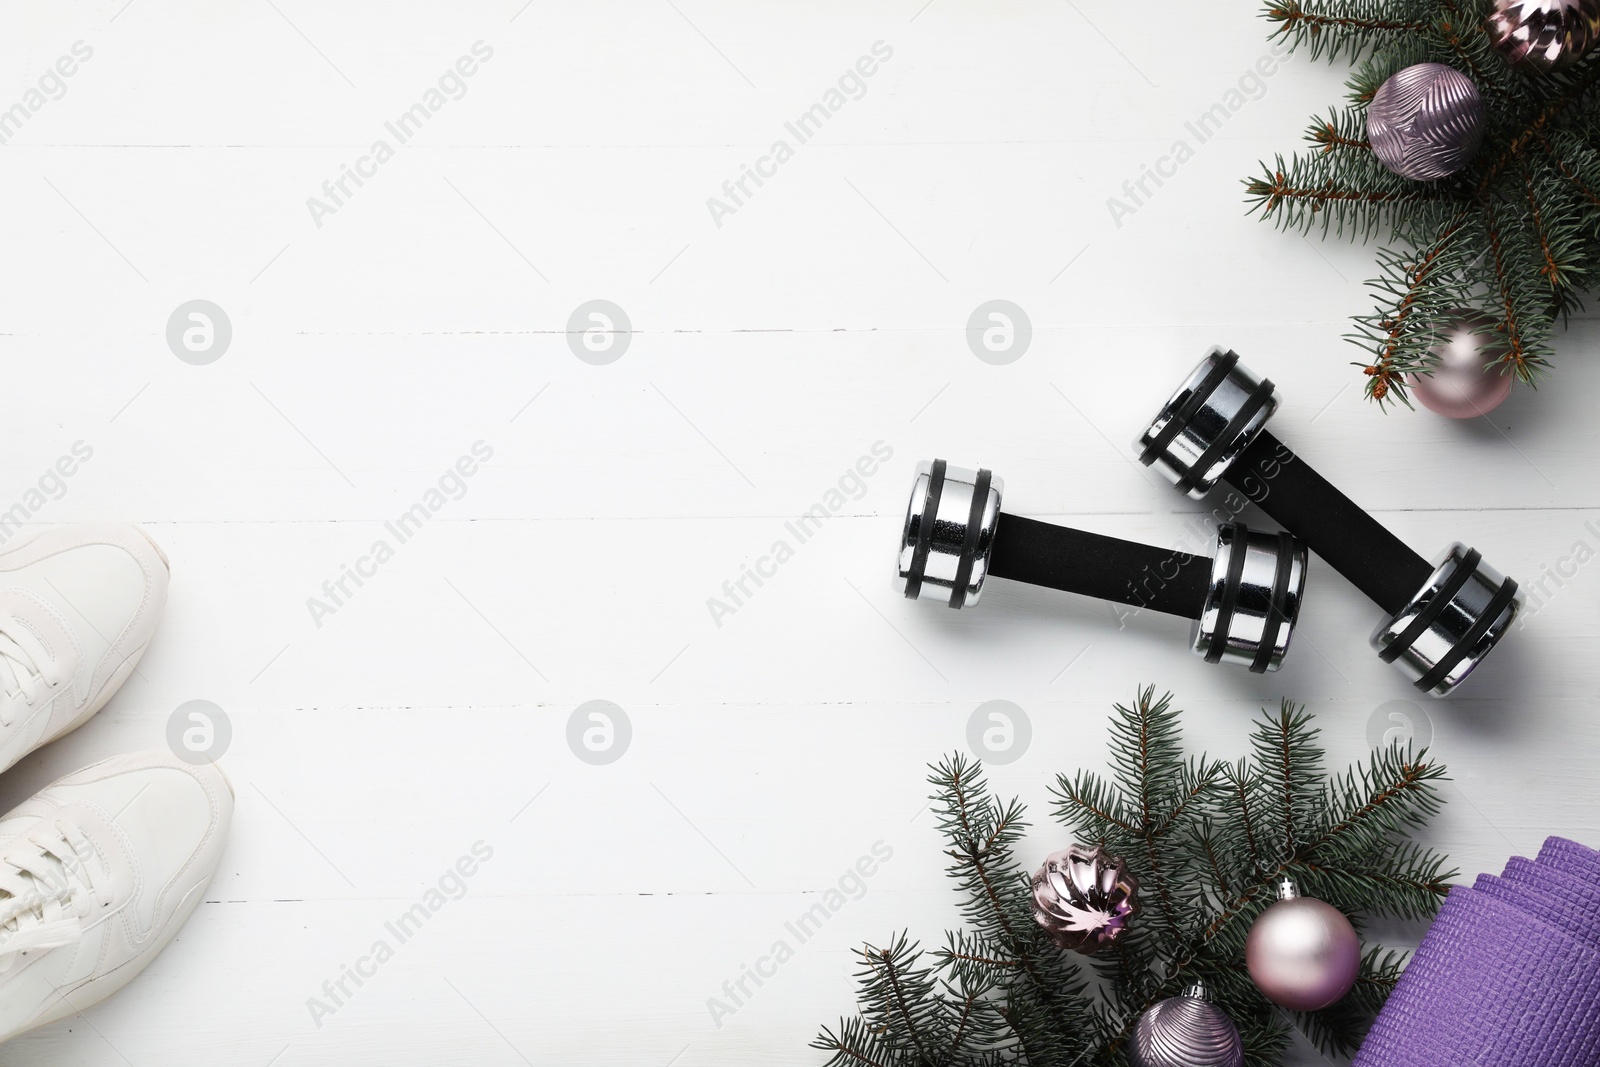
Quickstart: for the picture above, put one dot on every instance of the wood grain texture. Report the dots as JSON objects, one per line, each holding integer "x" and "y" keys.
{"x": 826, "y": 314}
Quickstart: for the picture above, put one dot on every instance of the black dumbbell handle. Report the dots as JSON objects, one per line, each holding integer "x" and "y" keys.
{"x": 1108, "y": 568}
{"x": 1308, "y": 506}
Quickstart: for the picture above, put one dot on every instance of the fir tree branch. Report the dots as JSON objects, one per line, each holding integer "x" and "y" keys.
{"x": 1362, "y": 26}
{"x": 1566, "y": 171}
{"x": 958, "y": 1038}
{"x": 1241, "y": 795}
{"x": 886, "y": 964}
{"x": 1001, "y": 994}
{"x": 1385, "y": 375}
{"x": 1448, "y": 30}
{"x": 1518, "y": 228}
{"x": 987, "y": 961}
{"x": 1210, "y": 846}
{"x": 1290, "y": 801}
{"x": 1551, "y": 270}
{"x": 1081, "y": 795}
{"x": 853, "y": 1045}
{"x": 1514, "y": 350}
{"x": 1292, "y": 14}
{"x": 1204, "y": 777}
{"x": 1411, "y": 779}
{"x": 1540, "y": 122}
{"x": 1276, "y": 189}
{"x": 1329, "y": 136}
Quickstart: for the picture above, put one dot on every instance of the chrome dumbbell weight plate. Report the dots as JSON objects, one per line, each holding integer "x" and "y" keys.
{"x": 948, "y": 533}
{"x": 1210, "y": 419}
{"x": 1451, "y": 623}
{"x": 1257, "y": 581}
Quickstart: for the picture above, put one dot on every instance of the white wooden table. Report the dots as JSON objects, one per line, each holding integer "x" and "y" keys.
{"x": 775, "y": 341}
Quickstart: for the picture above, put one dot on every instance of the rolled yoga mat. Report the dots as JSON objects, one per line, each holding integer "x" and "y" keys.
{"x": 1508, "y": 975}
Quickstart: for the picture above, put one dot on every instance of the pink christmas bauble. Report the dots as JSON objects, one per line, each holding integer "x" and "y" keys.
{"x": 1084, "y": 898}
{"x": 1466, "y": 382}
{"x": 1303, "y": 954}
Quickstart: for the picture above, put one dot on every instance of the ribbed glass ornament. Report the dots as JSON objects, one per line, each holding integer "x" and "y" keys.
{"x": 1426, "y": 121}
{"x": 1185, "y": 1032}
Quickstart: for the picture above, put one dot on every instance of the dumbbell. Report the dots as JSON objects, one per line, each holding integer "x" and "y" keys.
{"x": 1244, "y": 601}
{"x": 1444, "y": 615}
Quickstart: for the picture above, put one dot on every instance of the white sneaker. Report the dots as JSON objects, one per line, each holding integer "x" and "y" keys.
{"x": 78, "y": 605}
{"x": 97, "y": 873}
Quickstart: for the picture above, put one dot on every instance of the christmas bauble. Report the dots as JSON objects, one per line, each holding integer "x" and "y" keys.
{"x": 1544, "y": 35}
{"x": 1185, "y": 1032}
{"x": 1426, "y": 121}
{"x": 1084, "y": 898}
{"x": 1302, "y": 952}
{"x": 1466, "y": 381}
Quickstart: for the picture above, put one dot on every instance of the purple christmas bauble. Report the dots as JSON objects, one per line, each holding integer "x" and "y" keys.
{"x": 1185, "y": 1032}
{"x": 1544, "y": 35}
{"x": 1084, "y": 898}
{"x": 1426, "y": 121}
{"x": 1302, "y": 953}
{"x": 1465, "y": 381}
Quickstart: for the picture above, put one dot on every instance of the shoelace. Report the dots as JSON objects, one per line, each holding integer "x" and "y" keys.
{"x": 22, "y": 656}
{"x": 45, "y": 892}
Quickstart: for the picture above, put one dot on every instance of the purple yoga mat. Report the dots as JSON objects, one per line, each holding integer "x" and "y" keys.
{"x": 1561, "y": 914}
{"x": 1578, "y": 898}
{"x": 1508, "y": 975}
{"x": 1571, "y": 857}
